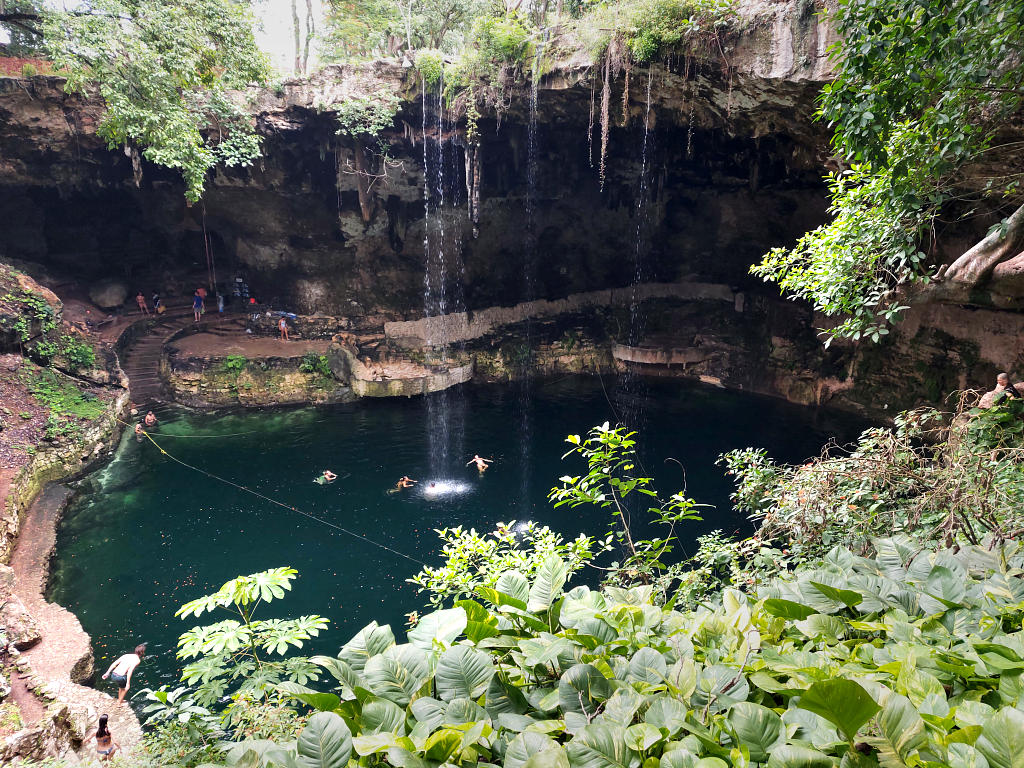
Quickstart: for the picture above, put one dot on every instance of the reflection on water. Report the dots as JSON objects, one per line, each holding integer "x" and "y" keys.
{"x": 146, "y": 534}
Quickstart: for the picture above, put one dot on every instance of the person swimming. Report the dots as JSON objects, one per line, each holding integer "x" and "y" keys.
{"x": 326, "y": 477}
{"x": 481, "y": 463}
{"x": 405, "y": 482}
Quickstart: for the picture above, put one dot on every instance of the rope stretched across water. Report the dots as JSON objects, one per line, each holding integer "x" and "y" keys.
{"x": 289, "y": 507}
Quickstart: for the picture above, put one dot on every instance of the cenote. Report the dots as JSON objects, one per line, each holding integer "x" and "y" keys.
{"x": 146, "y": 534}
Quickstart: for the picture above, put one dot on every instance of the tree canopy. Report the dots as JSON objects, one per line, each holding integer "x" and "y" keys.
{"x": 922, "y": 90}
{"x": 165, "y": 70}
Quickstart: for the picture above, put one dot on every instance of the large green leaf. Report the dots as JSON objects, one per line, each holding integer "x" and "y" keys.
{"x": 325, "y": 742}
{"x": 428, "y": 711}
{"x": 678, "y": 758}
{"x": 461, "y": 711}
{"x": 959, "y": 755}
{"x": 503, "y": 698}
{"x": 648, "y": 666}
{"x": 847, "y": 597}
{"x": 547, "y": 584}
{"x": 463, "y": 671}
{"x": 787, "y": 609}
{"x": 398, "y": 673}
{"x": 642, "y": 736}
{"x": 339, "y": 670}
{"x": 382, "y": 716}
{"x": 795, "y": 756}
{"x": 1002, "y": 739}
{"x": 370, "y": 641}
{"x": 582, "y": 688}
{"x": 524, "y": 746}
{"x": 480, "y": 623}
{"x": 441, "y": 627}
{"x": 903, "y": 731}
{"x": 440, "y": 746}
{"x": 322, "y": 702}
{"x": 601, "y": 746}
{"x": 758, "y": 728}
{"x": 666, "y": 712}
{"x": 554, "y": 757}
{"x": 843, "y": 703}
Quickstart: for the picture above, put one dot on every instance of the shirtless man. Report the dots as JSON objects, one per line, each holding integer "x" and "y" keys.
{"x": 405, "y": 482}
{"x": 150, "y": 420}
{"x": 481, "y": 463}
{"x": 121, "y": 670}
{"x": 141, "y": 301}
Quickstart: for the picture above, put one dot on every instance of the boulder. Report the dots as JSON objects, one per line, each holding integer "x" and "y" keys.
{"x": 21, "y": 629}
{"x": 108, "y": 293}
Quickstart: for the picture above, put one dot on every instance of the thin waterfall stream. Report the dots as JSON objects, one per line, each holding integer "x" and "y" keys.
{"x": 631, "y": 384}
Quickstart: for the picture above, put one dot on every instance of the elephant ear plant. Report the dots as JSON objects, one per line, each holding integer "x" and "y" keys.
{"x": 909, "y": 658}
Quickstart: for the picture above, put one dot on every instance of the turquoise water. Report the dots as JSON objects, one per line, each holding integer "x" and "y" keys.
{"x": 145, "y": 534}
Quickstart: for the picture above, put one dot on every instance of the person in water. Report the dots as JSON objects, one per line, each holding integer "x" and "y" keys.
{"x": 151, "y": 420}
{"x": 105, "y": 744}
{"x": 326, "y": 477}
{"x": 139, "y": 432}
{"x": 481, "y": 463}
{"x": 120, "y": 672}
{"x": 405, "y": 482}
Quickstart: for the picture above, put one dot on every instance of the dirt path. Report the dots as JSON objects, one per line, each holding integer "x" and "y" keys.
{"x": 63, "y": 658}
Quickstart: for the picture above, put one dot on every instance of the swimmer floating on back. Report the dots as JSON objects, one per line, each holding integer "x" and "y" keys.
{"x": 481, "y": 463}
{"x": 326, "y": 477}
{"x": 405, "y": 482}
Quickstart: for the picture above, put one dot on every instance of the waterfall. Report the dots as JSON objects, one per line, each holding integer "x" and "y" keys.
{"x": 633, "y": 413}
{"x": 445, "y": 410}
{"x": 524, "y": 392}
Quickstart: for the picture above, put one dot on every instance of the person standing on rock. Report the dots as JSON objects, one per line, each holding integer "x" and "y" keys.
{"x": 197, "y": 305}
{"x": 141, "y": 301}
{"x": 283, "y": 325}
{"x": 120, "y": 672}
{"x": 105, "y": 744}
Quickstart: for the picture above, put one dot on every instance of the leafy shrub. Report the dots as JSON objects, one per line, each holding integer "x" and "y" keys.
{"x": 908, "y": 658}
{"x": 234, "y": 364}
{"x": 366, "y": 115}
{"x": 28, "y": 70}
{"x": 61, "y": 396}
{"x": 430, "y": 65}
{"x": 503, "y": 38}
{"x": 245, "y": 659}
{"x": 79, "y": 354}
{"x": 938, "y": 483}
{"x": 473, "y": 560}
{"x": 316, "y": 364}
{"x": 659, "y": 26}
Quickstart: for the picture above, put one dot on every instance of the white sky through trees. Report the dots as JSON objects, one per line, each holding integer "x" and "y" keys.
{"x": 275, "y": 33}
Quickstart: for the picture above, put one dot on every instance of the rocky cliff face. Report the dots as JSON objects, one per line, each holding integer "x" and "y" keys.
{"x": 732, "y": 166}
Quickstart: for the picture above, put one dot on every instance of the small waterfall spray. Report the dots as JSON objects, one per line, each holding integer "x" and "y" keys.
{"x": 633, "y": 411}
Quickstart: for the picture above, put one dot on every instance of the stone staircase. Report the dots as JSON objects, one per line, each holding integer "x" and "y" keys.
{"x": 140, "y": 361}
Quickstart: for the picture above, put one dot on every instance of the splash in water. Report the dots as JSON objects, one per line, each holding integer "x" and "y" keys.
{"x": 435, "y": 489}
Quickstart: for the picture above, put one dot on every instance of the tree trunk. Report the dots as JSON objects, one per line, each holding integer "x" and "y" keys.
{"x": 310, "y": 30}
{"x": 298, "y": 38}
{"x": 976, "y": 265}
{"x": 363, "y": 182}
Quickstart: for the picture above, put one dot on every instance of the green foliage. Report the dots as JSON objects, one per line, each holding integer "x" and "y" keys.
{"x": 234, "y": 364}
{"x": 366, "y": 116}
{"x": 611, "y": 484}
{"x": 473, "y": 560}
{"x": 316, "y": 364}
{"x": 921, "y": 91}
{"x": 938, "y": 483}
{"x": 503, "y": 39}
{"x": 165, "y": 69}
{"x": 78, "y": 353}
{"x": 358, "y": 28}
{"x": 28, "y": 70}
{"x": 430, "y": 65}
{"x": 657, "y": 27}
{"x": 245, "y": 659}
{"x": 912, "y": 657}
{"x": 61, "y": 396}
{"x": 34, "y": 311}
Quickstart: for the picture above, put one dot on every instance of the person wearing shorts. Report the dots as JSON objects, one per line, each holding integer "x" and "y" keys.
{"x": 120, "y": 672}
